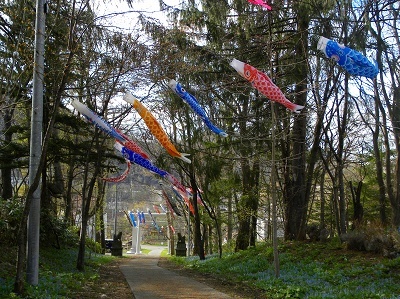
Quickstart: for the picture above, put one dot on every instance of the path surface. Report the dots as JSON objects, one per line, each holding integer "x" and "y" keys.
{"x": 149, "y": 281}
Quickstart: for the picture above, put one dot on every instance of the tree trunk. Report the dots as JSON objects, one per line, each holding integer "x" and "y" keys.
{"x": 393, "y": 106}
{"x": 358, "y": 208}
{"x": 87, "y": 192}
{"x": 255, "y": 202}
{"x": 198, "y": 239}
{"x": 295, "y": 199}
{"x": 378, "y": 159}
{"x": 68, "y": 217}
{"x": 6, "y": 170}
{"x": 230, "y": 220}
{"x": 340, "y": 162}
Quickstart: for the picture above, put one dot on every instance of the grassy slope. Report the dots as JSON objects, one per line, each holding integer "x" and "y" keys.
{"x": 307, "y": 270}
{"x": 57, "y": 274}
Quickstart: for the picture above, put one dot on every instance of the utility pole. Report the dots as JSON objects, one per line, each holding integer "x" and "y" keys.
{"x": 32, "y": 271}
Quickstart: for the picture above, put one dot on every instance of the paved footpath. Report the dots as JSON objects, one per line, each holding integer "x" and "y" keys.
{"x": 149, "y": 281}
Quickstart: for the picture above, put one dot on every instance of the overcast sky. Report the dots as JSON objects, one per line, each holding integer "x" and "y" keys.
{"x": 125, "y": 16}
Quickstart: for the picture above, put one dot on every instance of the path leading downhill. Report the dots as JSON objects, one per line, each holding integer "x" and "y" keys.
{"x": 149, "y": 281}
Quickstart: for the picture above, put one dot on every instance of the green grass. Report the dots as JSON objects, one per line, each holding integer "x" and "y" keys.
{"x": 307, "y": 270}
{"x": 165, "y": 253}
{"x": 145, "y": 251}
{"x": 57, "y": 274}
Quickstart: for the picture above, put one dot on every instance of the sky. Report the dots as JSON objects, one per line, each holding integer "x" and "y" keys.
{"x": 125, "y": 16}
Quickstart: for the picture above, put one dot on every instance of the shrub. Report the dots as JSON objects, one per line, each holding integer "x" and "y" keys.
{"x": 373, "y": 238}
{"x": 10, "y": 215}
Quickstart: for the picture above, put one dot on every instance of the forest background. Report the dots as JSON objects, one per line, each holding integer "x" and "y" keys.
{"x": 337, "y": 162}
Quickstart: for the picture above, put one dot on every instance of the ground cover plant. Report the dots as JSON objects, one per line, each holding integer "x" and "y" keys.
{"x": 307, "y": 270}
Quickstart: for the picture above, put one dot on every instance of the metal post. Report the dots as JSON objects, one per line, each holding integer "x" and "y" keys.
{"x": 32, "y": 270}
{"x": 138, "y": 238}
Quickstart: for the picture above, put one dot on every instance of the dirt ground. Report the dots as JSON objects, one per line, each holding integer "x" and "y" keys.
{"x": 112, "y": 283}
{"x": 228, "y": 287}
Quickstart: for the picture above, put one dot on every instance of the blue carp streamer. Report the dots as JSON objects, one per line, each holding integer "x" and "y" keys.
{"x": 192, "y": 102}
{"x": 138, "y": 159}
{"x": 351, "y": 60}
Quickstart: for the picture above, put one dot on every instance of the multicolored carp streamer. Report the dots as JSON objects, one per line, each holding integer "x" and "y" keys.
{"x": 129, "y": 218}
{"x": 183, "y": 195}
{"x": 162, "y": 208}
{"x": 121, "y": 177}
{"x": 174, "y": 181}
{"x": 133, "y": 146}
{"x": 138, "y": 159}
{"x": 171, "y": 204}
{"x": 97, "y": 120}
{"x": 261, "y": 3}
{"x": 170, "y": 209}
{"x": 154, "y": 221}
{"x": 155, "y": 127}
{"x": 140, "y": 216}
{"x": 192, "y": 102}
{"x": 121, "y": 138}
{"x": 264, "y": 84}
{"x": 156, "y": 209}
{"x": 132, "y": 216}
{"x": 351, "y": 60}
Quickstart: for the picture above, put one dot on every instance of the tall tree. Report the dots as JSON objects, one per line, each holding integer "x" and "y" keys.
{"x": 388, "y": 65}
{"x": 16, "y": 40}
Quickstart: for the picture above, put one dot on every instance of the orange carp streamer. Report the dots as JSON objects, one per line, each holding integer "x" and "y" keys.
{"x": 155, "y": 127}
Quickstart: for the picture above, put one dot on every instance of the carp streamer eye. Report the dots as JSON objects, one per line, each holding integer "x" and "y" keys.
{"x": 247, "y": 73}
{"x": 335, "y": 58}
